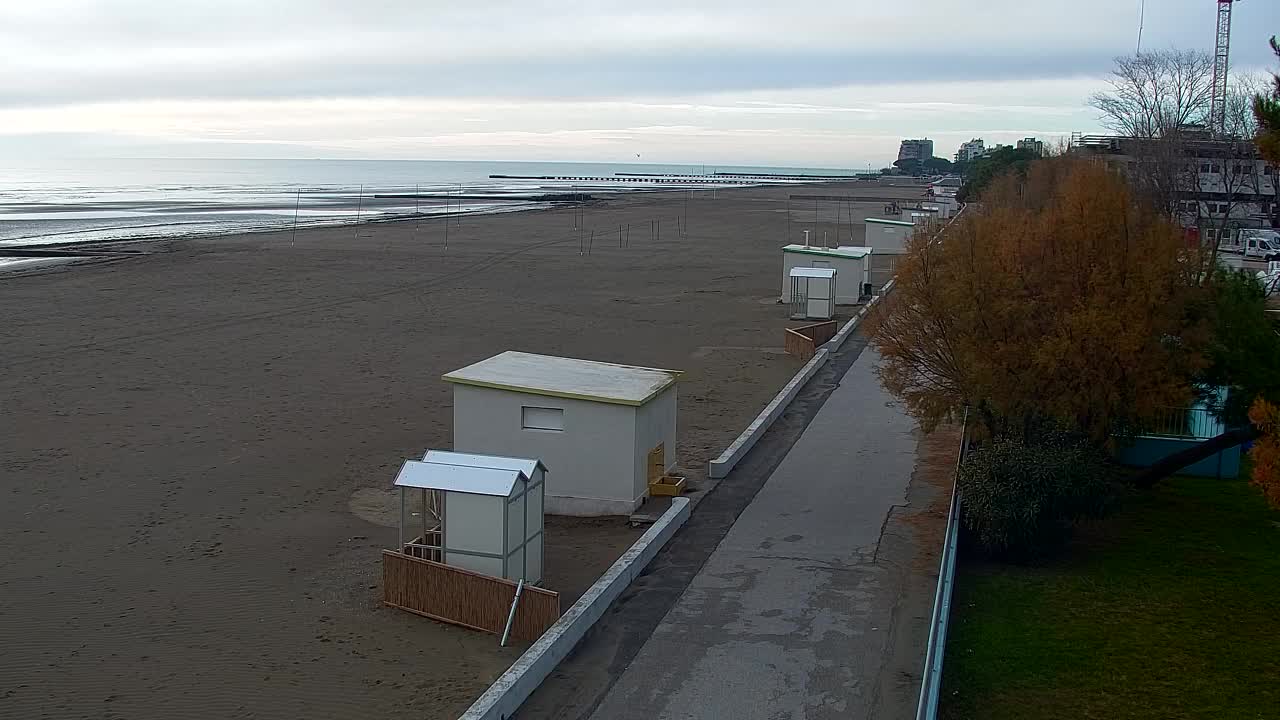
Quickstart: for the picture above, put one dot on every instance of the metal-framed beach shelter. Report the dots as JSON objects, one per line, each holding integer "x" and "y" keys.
{"x": 813, "y": 293}
{"x": 483, "y": 513}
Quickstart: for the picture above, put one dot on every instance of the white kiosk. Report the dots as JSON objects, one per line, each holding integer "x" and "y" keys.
{"x": 605, "y": 428}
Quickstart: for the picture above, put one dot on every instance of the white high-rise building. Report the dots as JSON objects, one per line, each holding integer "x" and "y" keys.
{"x": 970, "y": 150}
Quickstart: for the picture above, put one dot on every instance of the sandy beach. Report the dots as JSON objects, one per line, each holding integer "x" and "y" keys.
{"x": 197, "y": 444}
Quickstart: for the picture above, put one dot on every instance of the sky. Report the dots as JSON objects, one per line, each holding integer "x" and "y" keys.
{"x": 807, "y": 83}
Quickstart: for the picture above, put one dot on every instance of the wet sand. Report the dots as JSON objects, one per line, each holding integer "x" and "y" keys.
{"x": 196, "y": 444}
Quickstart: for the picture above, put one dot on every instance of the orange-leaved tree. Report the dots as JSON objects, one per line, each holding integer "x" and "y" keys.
{"x": 1061, "y": 300}
{"x": 1266, "y": 449}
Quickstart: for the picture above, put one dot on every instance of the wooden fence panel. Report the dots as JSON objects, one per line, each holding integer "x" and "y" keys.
{"x": 819, "y": 333}
{"x": 466, "y": 598}
{"x": 802, "y": 342}
{"x": 798, "y": 345}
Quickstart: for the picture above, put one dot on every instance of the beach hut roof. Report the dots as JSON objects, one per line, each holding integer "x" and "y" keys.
{"x": 496, "y": 462}
{"x": 459, "y": 478}
{"x": 809, "y": 272}
{"x": 566, "y": 377}
{"x": 844, "y": 251}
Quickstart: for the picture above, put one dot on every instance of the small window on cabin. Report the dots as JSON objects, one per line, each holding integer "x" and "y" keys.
{"x": 540, "y": 418}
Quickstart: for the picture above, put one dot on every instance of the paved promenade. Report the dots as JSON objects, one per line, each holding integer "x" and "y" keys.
{"x": 799, "y": 613}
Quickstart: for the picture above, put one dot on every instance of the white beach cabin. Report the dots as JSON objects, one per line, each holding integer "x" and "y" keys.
{"x": 813, "y": 293}
{"x": 888, "y": 237}
{"x": 941, "y": 210}
{"x": 478, "y": 512}
{"x": 600, "y": 425}
{"x": 852, "y": 265}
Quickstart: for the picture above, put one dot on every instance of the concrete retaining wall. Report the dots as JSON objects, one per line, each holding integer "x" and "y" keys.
{"x": 721, "y": 466}
{"x": 507, "y": 693}
{"x": 1146, "y": 451}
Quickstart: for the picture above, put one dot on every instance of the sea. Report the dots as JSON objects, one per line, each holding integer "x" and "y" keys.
{"x": 68, "y": 202}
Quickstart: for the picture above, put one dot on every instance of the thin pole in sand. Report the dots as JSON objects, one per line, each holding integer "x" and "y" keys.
{"x": 459, "y": 205}
{"x": 591, "y": 241}
{"x": 446, "y": 221}
{"x": 359, "y": 208}
{"x": 815, "y": 217}
{"x": 417, "y": 217}
{"x": 296, "y": 204}
{"x": 839, "y": 214}
{"x": 684, "y": 224}
{"x": 788, "y": 218}
{"x": 628, "y": 235}
{"x": 619, "y": 236}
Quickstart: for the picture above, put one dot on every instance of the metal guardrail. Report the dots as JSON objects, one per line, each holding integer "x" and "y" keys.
{"x": 1184, "y": 422}
{"x": 931, "y": 679}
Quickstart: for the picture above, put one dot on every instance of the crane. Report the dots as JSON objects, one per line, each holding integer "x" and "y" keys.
{"x": 1221, "y": 53}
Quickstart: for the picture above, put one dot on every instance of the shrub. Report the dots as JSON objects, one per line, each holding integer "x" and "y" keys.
{"x": 1265, "y": 453}
{"x": 1021, "y": 501}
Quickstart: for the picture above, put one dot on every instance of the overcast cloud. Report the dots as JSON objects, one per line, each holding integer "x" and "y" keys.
{"x": 799, "y": 83}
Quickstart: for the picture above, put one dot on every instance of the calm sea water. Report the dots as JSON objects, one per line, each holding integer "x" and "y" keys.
{"x": 118, "y": 199}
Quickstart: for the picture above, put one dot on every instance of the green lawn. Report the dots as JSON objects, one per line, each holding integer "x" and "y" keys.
{"x": 1168, "y": 609}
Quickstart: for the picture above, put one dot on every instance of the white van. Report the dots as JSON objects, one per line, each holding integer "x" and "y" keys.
{"x": 1263, "y": 244}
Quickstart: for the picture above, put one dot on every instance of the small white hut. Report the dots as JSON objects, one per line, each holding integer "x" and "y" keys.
{"x": 605, "y": 428}
{"x": 888, "y": 236}
{"x": 941, "y": 210}
{"x": 813, "y": 293}
{"x": 852, "y": 265}
{"x": 478, "y": 512}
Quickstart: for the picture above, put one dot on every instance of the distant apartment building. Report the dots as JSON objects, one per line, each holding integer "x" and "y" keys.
{"x": 1032, "y": 144}
{"x": 970, "y": 150}
{"x": 991, "y": 150}
{"x": 915, "y": 149}
{"x": 1222, "y": 185}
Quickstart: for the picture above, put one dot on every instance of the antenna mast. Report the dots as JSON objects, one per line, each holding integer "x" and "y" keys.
{"x": 1221, "y": 64}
